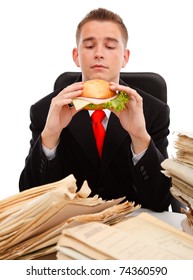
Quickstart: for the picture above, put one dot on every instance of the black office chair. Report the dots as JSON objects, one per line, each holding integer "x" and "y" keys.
{"x": 150, "y": 82}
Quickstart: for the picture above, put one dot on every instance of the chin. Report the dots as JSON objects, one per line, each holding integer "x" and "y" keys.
{"x": 99, "y": 74}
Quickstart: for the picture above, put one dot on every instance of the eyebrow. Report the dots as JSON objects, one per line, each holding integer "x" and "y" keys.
{"x": 110, "y": 39}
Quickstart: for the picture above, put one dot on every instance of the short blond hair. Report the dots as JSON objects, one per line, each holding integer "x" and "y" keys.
{"x": 101, "y": 14}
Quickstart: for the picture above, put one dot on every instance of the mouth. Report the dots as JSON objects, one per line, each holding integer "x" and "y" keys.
{"x": 98, "y": 66}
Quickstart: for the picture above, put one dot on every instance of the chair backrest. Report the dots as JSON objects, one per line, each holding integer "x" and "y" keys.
{"x": 149, "y": 82}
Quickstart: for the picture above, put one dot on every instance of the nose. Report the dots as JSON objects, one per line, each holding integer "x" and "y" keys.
{"x": 99, "y": 52}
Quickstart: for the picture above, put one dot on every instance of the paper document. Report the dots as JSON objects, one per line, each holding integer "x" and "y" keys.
{"x": 142, "y": 237}
{"x": 180, "y": 169}
{"x": 31, "y": 222}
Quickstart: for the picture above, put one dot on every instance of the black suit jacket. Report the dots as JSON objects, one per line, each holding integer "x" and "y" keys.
{"x": 114, "y": 175}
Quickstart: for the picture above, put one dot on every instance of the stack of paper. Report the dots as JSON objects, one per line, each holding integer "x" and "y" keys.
{"x": 31, "y": 222}
{"x": 180, "y": 169}
{"x": 143, "y": 237}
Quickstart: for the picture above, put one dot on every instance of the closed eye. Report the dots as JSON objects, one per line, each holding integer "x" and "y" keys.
{"x": 110, "y": 47}
{"x": 89, "y": 47}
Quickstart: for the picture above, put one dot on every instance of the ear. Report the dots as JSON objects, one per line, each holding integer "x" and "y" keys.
{"x": 75, "y": 56}
{"x": 126, "y": 57}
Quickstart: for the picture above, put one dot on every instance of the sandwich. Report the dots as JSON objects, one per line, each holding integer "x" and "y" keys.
{"x": 97, "y": 95}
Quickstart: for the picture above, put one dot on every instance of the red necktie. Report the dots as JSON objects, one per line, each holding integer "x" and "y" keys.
{"x": 98, "y": 128}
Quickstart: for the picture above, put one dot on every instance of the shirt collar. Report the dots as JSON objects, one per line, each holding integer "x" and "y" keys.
{"x": 107, "y": 112}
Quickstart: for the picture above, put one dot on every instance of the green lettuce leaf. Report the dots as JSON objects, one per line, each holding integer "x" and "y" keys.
{"x": 118, "y": 103}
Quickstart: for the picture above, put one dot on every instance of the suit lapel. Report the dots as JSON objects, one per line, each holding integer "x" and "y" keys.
{"x": 81, "y": 128}
{"x": 115, "y": 135}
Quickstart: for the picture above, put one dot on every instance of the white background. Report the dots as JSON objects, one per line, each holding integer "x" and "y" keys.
{"x": 37, "y": 38}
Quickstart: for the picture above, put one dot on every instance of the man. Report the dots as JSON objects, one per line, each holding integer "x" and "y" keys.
{"x": 136, "y": 138}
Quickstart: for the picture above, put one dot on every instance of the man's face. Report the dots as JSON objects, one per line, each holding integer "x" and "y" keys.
{"x": 101, "y": 51}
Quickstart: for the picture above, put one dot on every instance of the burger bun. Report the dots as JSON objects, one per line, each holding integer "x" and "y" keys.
{"x": 97, "y": 89}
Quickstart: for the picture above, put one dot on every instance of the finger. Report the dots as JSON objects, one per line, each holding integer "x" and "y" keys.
{"x": 117, "y": 87}
{"x": 75, "y": 89}
{"x": 130, "y": 91}
{"x": 69, "y": 95}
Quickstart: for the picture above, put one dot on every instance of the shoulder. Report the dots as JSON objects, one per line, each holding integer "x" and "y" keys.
{"x": 153, "y": 107}
{"x": 39, "y": 110}
{"x": 151, "y": 104}
{"x": 148, "y": 97}
{"x": 62, "y": 81}
{"x": 45, "y": 101}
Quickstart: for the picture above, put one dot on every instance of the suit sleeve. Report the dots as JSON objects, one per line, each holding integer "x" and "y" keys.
{"x": 151, "y": 186}
{"x": 37, "y": 167}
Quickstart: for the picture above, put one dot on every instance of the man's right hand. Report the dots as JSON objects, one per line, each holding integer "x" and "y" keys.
{"x": 60, "y": 114}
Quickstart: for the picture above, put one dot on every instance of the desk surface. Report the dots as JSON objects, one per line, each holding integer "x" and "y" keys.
{"x": 171, "y": 218}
